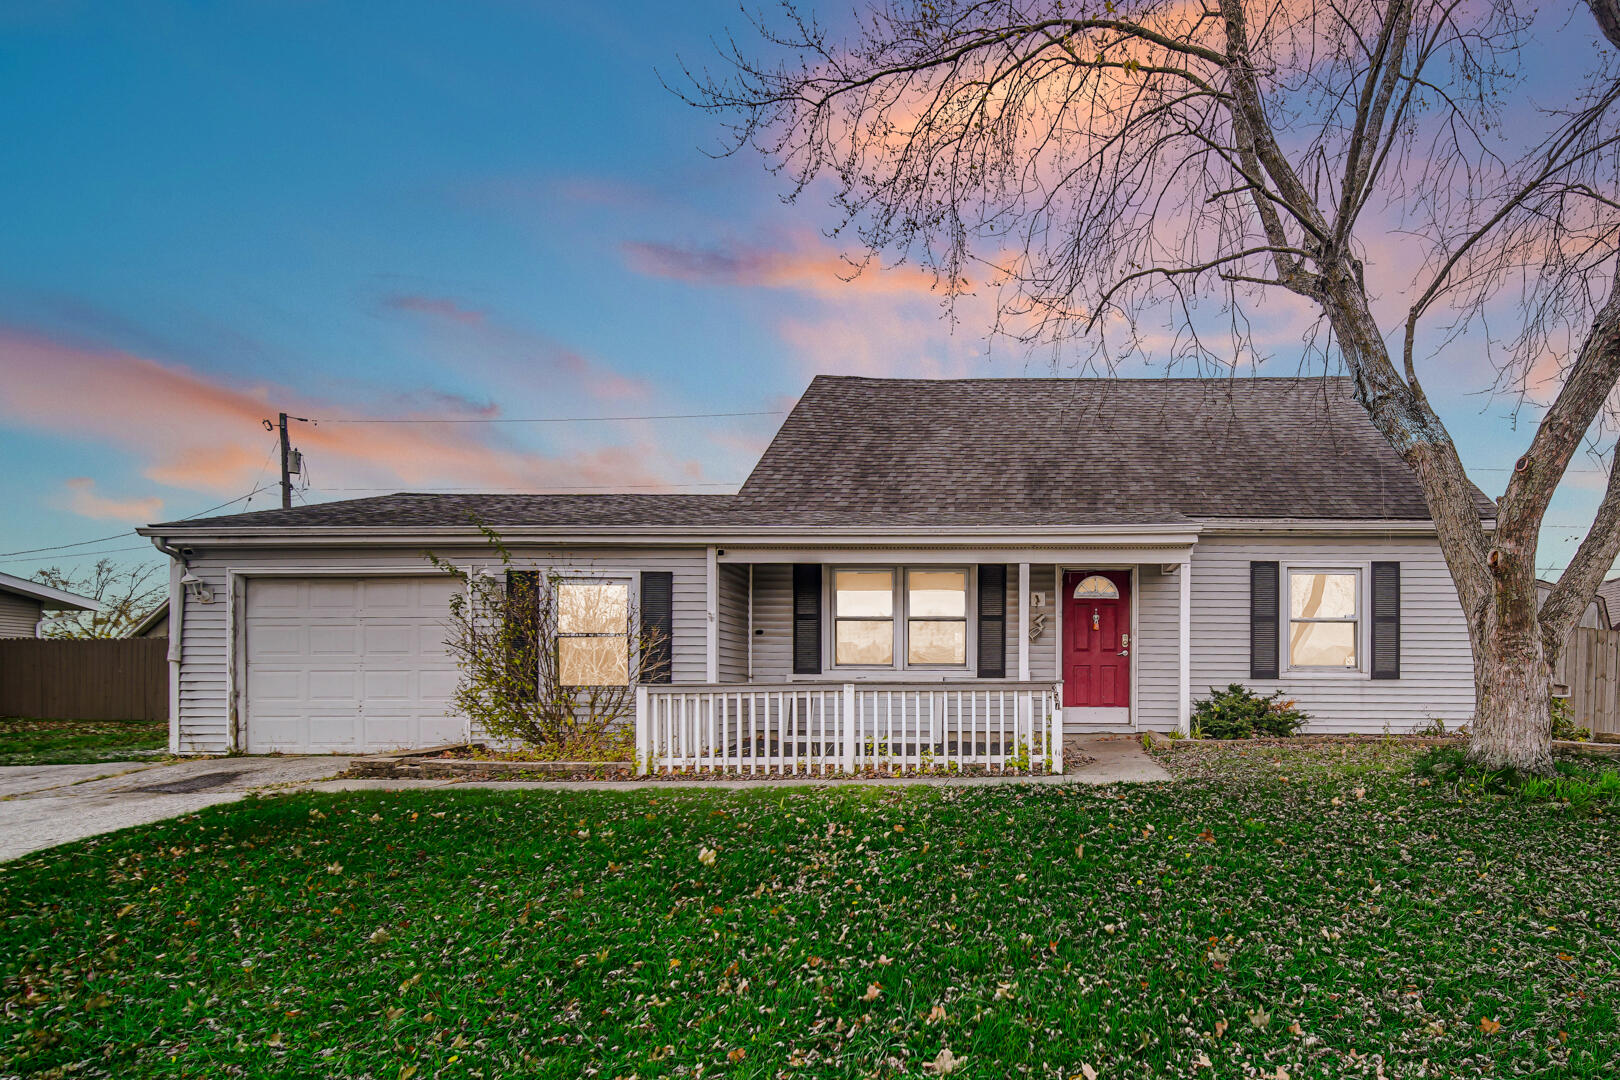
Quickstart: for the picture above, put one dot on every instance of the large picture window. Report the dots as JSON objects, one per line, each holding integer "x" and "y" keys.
{"x": 593, "y": 633}
{"x": 936, "y": 617}
{"x": 1324, "y": 619}
{"x": 893, "y": 617}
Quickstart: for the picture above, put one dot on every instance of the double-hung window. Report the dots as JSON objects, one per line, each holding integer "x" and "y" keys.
{"x": 936, "y": 618}
{"x": 916, "y": 614}
{"x": 863, "y": 618}
{"x": 593, "y": 633}
{"x": 1324, "y": 619}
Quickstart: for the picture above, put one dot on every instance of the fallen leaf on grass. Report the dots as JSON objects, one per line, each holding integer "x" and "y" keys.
{"x": 945, "y": 1064}
{"x": 737, "y": 1055}
{"x": 1489, "y": 1026}
{"x": 936, "y": 1015}
{"x": 706, "y": 856}
{"x": 872, "y": 992}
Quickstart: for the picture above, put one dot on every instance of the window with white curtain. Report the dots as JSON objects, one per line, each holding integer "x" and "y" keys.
{"x": 1324, "y": 619}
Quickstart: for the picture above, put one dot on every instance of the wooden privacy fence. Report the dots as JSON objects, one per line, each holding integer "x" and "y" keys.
{"x": 111, "y": 679}
{"x": 1590, "y": 667}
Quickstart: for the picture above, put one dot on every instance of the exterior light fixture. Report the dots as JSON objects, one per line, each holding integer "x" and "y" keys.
{"x": 196, "y": 588}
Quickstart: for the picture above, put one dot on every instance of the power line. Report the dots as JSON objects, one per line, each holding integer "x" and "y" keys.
{"x": 7, "y": 555}
{"x": 60, "y": 547}
{"x": 542, "y": 419}
{"x": 87, "y": 554}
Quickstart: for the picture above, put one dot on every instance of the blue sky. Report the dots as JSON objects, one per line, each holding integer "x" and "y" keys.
{"x": 420, "y": 210}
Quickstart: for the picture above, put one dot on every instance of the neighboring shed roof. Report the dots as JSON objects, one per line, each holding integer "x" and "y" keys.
{"x": 50, "y": 599}
{"x": 1609, "y": 591}
{"x": 990, "y": 452}
{"x": 155, "y": 620}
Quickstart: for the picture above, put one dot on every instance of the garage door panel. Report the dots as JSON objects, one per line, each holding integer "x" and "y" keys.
{"x": 347, "y": 664}
{"x": 276, "y": 640}
{"x": 398, "y": 639}
{"x": 394, "y": 685}
{"x": 325, "y": 686}
{"x": 267, "y": 686}
{"x": 380, "y": 596}
{"x": 327, "y": 593}
{"x": 270, "y": 594}
{"x": 438, "y": 684}
{"x": 336, "y": 640}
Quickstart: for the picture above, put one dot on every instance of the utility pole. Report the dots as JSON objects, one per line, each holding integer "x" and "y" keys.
{"x": 291, "y": 460}
{"x": 286, "y": 474}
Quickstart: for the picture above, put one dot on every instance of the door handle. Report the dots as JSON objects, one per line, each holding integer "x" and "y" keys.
{"x": 1124, "y": 652}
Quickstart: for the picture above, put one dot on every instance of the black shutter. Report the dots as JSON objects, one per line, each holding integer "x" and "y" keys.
{"x": 993, "y": 622}
{"x": 523, "y": 636}
{"x": 1264, "y": 607}
{"x": 657, "y": 625}
{"x": 806, "y": 619}
{"x": 1386, "y": 620}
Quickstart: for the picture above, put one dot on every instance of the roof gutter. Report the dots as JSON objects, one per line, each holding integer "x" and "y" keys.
{"x": 1184, "y": 532}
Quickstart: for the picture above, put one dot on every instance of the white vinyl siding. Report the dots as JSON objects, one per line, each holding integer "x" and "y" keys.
{"x": 1436, "y": 665}
{"x": 1437, "y": 673}
{"x": 733, "y": 630}
{"x": 204, "y": 711}
{"x": 19, "y": 616}
{"x": 773, "y": 622}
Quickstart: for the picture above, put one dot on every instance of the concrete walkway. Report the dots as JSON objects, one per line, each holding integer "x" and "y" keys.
{"x": 45, "y": 805}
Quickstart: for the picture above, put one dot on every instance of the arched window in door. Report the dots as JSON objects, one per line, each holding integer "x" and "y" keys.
{"x": 1096, "y": 587}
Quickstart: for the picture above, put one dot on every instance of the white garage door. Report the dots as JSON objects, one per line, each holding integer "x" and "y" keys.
{"x": 348, "y": 664}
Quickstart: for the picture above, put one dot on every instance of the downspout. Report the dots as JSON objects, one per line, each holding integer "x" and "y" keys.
{"x": 177, "y": 610}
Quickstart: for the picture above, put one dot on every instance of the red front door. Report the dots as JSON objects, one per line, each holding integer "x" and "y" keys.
{"x": 1096, "y": 639}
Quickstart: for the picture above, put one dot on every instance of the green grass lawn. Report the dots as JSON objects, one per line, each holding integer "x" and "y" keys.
{"x": 73, "y": 742}
{"x": 1308, "y": 912}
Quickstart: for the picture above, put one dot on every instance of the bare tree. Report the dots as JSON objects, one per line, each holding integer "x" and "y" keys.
{"x": 549, "y": 659}
{"x": 1136, "y": 172}
{"x": 127, "y": 594}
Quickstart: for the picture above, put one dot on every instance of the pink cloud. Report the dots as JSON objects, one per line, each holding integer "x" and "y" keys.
{"x": 477, "y": 339}
{"x": 81, "y": 498}
{"x": 437, "y": 306}
{"x": 807, "y": 264}
{"x": 200, "y": 432}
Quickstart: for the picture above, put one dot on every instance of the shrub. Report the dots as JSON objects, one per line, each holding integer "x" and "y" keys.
{"x": 1563, "y": 724}
{"x": 1239, "y": 713}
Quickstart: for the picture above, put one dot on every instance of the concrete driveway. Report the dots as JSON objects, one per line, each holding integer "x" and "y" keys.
{"x": 45, "y": 805}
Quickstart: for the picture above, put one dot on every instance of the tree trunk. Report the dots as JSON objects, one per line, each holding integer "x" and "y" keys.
{"x": 1512, "y": 722}
{"x": 1512, "y": 681}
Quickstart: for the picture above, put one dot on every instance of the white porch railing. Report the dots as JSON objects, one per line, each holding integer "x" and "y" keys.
{"x": 819, "y": 729}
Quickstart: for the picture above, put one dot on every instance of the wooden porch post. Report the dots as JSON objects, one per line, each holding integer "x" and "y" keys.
{"x": 1023, "y": 622}
{"x": 643, "y": 732}
{"x": 712, "y": 607}
{"x": 1184, "y": 672}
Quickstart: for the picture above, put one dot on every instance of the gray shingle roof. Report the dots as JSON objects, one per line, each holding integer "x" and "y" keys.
{"x": 993, "y": 452}
{"x": 1047, "y": 450}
